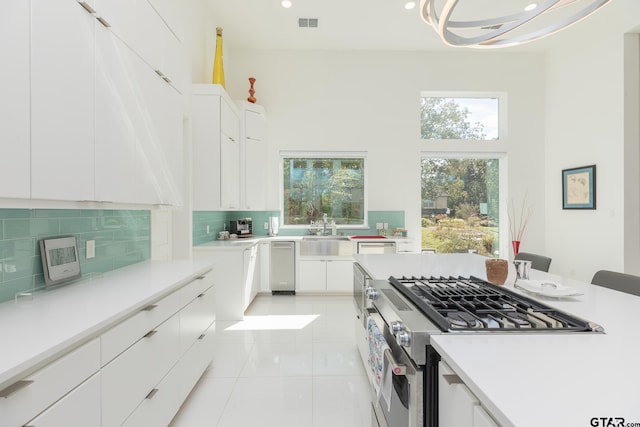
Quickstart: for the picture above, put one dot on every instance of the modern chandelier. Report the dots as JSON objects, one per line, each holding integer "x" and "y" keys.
{"x": 502, "y": 23}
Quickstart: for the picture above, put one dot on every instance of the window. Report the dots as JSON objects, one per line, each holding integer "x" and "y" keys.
{"x": 314, "y": 186}
{"x": 461, "y": 117}
{"x": 461, "y": 204}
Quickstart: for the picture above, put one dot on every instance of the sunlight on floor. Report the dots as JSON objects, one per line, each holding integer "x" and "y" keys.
{"x": 273, "y": 322}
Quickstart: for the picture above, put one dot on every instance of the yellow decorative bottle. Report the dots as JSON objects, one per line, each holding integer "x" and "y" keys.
{"x": 218, "y": 68}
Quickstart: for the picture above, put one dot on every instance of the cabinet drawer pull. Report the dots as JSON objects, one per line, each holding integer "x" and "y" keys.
{"x": 152, "y": 393}
{"x": 4, "y": 393}
{"x": 201, "y": 337}
{"x": 150, "y": 307}
{"x": 87, "y": 7}
{"x": 158, "y": 72}
{"x": 150, "y": 334}
{"x": 200, "y": 296}
{"x": 452, "y": 379}
{"x": 103, "y": 22}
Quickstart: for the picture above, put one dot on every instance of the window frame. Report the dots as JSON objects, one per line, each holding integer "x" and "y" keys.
{"x": 324, "y": 155}
{"x": 502, "y": 113}
{"x": 503, "y": 221}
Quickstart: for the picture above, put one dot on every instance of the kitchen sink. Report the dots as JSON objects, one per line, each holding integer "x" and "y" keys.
{"x": 326, "y": 246}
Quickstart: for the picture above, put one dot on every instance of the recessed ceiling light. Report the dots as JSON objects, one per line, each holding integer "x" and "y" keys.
{"x": 286, "y": 4}
{"x": 410, "y": 5}
{"x": 530, "y": 7}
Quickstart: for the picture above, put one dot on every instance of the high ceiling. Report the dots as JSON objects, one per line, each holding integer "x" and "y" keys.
{"x": 342, "y": 24}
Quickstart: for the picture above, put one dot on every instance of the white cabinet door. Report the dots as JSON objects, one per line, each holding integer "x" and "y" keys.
{"x": 455, "y": 400}
{"x": 481, "y": 418}
{"x": 120, "y": 16}
{"x": 205, "y": 112}
{"x": 127, "y": 379}
{"x": 15, "y": 161}
{"x": 116, "y": 104}
{"x": 81, "y": 407}
{"x": 62, "y": 101}
{"x": 254, "y": 155}
{"x": 313, "y": 276}
{"x": 230, "y": 157}
{"x": 159, "y": 135}
{"x": 251, "y": 274}
{"x": 340, "y": 275}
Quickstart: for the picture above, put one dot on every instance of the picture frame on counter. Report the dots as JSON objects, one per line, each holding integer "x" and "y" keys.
{"x": 579, "y": 188}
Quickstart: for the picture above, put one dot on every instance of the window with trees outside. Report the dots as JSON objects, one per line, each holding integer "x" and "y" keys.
{"x": 314, "y": 186}
{"x": 461, "y": 190}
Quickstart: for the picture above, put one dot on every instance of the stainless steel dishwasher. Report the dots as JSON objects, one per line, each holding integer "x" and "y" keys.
{"x": 282, "y": 277}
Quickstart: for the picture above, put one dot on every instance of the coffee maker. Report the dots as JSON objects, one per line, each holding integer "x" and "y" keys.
{"x": 242, "y": 227}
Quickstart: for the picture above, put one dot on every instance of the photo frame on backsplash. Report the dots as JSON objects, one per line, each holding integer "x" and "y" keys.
{"x": 579, "y": 188}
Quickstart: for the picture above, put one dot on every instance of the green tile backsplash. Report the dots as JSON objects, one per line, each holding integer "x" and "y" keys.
{"x": 122, "y": 238}
{"x": 216, "y": 220}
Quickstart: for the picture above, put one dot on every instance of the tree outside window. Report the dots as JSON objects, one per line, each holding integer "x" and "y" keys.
{"x": 313, "y": 187}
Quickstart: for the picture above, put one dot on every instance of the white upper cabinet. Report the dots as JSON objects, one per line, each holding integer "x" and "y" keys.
{"x": 115, "y": 140}
{"x": 106, "y": 125}
{"x": 254, "y": 157}
{"x": 230, "y": 157}
{"x": 120, "y": 16}
{"x": 159, "y": 135}
{"x": 14, "y": 127}
{"x": 62, "y": 101}
{"x": 216, "y": 149}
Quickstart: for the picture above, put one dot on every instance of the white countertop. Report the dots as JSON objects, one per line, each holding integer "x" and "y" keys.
{"x": 532, "y": 380}
{"x": 33, "y": 331}
{"x": 243, "y": 243}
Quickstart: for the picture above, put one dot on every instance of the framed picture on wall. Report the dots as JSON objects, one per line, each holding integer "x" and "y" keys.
{"x": 579, "y": 188}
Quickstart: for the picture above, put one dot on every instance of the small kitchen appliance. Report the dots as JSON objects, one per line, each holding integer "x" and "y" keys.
{"x": 242, "y": 227}
{"x": 409, "y": 310}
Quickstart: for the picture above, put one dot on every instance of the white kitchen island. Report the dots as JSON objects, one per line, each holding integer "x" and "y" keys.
{"x": 545, "y": 379}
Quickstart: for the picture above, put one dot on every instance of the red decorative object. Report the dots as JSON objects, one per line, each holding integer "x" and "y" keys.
{"x": 516, "y": 246}
{"x": 251, "y": 98}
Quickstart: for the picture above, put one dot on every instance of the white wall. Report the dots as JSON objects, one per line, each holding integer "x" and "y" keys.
{"x": 585, "y": 125}
{"x": 345, "y": 100}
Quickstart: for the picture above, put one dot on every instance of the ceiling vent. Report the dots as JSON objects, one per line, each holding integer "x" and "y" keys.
{"x": 308, "y": 22}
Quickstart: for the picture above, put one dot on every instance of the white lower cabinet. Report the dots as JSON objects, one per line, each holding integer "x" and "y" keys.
{"x": 81, "y": 407}
{"x": 145, "y": 384}
{"x": 481, "y": 418}
{"x": 237, "y": 281}
{"x": 325, "y": 275}
{"x": 457, "y": 405}
{"x": 159, "y": 405}
{"x": 28, "y": 397}
{"x": 129, "y": 378}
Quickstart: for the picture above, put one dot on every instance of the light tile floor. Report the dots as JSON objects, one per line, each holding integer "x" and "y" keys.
{"x": 292, "y": 362}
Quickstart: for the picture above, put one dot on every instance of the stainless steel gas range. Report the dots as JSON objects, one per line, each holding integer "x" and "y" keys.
{"x": 406, "y": 311}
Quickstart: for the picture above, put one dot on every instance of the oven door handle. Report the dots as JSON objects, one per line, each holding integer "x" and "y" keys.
{"x": 396, "y": 368}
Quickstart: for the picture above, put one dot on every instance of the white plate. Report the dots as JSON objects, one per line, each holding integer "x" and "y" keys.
{"x": 546, "y": 288}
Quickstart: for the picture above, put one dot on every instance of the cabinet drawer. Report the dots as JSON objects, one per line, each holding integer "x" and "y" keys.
{"x": 196, "y": 287}
{"x": 126, "y": 333}
{"x": 160, "y": 405}
{"x": 49, "y": 384}
{"x": 196, "y": 318}
{"x": 81, "y": 407}
{"x": 195, "y": 361}
{"x": 128, "y": 378}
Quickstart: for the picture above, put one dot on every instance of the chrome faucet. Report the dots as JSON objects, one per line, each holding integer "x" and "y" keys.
{"x": 324, "y": 224}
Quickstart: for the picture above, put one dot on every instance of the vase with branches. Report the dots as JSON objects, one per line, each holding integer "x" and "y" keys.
{"x": 518, "y": 223}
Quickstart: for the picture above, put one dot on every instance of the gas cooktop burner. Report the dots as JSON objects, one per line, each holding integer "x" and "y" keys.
{"x": 472, "y": 304}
